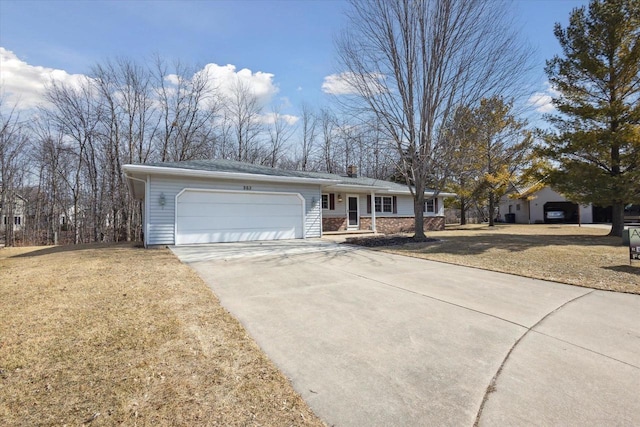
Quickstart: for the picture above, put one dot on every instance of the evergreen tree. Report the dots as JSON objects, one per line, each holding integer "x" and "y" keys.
{"x": 596, "y": 145}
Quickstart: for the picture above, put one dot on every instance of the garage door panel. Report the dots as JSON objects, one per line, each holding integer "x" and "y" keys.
{"x": 238, "y": 236}
{"x": 210, "y": 210}
{"x": 219, "y": 216}
{"x": 207, "y": 224}
{"x": 203, "y": 197}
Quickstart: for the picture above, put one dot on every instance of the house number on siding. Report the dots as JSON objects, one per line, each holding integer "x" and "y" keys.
{"x": 247, "y": 187}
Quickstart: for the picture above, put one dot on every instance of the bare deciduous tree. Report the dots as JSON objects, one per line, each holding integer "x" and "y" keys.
{"x": 187, "y": 104}
{"x": 130, "y": 125}
{"x": 328, "y": 133}
{"x": 280, "y": 131}
{"x": 76, "y": 113}
{"x": 13, "y": 146}
{"x": 243, "y": 112}
{"x": 411, "y": 63}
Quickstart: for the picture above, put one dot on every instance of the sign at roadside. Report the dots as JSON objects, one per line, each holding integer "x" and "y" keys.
{"x": 634, "y": 244}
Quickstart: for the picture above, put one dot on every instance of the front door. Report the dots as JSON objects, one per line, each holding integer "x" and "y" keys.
{"x": 353, "y": 216}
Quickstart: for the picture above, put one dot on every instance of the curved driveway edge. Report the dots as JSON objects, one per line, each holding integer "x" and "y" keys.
{"x": 369, "y": 338}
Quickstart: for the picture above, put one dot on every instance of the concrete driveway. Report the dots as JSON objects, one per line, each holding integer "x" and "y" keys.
{"x": 373, "y": 339}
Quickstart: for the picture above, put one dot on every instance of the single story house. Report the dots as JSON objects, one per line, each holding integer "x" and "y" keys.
{"x": 532, "y": 206}
{"x": 207, "y": 201}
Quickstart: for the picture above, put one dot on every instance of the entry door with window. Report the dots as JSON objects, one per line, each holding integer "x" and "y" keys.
{"x": 353, "y": 217}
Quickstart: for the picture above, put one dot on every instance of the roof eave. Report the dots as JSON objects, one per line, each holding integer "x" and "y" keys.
{"x": 199, "y": 173}
{"x": 355, "y": 187}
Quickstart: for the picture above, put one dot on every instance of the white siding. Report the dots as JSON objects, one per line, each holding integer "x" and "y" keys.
{"x": 340, "y": 210}
{"x": 536, "y": 207}
{"x": 586, "y": 214}
{"x": 508, "y": 205}
{"x": 161, "y": 219}
{"x": 543, "y": 196}
{"x": 404, "y": 207}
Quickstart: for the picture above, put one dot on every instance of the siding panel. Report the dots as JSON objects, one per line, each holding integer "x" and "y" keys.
{"x": 162, "y": 218}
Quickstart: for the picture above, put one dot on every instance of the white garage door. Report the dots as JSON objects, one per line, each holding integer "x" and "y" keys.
{"x": 225, "y": 216}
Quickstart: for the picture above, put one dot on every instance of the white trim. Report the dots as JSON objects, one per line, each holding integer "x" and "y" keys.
{"x": 147, "y": 190}
{"x": 225, "y": 175}
{"x": 373, "y": 211}
{"x": 212, "y": 190}
{"x": 342, "y": 188}
{"x": 433, "y": 203}
{"x": 357, "y": 197}
{"x": 382, "y": 211}
{"x": 380, "y": 190}
{"x": 322, "y": 208}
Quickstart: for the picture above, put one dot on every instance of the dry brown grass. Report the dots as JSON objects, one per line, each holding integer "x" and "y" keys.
{"x": 583, "y": 256}
{"x": 112, "y": 335}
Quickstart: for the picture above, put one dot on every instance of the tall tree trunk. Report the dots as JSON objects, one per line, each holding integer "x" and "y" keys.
{"x": 418, "y": 209}
{"x": 76, "y": 228}
{"x": 617, "y": 220}
{"x": 492, "y": 208}
{"x": 463, "y": 211}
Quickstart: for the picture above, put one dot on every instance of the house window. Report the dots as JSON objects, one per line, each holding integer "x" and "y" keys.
{"x": 518, "y": 207}
{"x": 325, "y": 201}
{"x": 16, "y": 220}
{"x": 429, "y": 206}
{"x": 384, "y": 204}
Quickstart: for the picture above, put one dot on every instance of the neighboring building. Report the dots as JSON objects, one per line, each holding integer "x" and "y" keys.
{"x": 16, "y": 215}
{"x": 540, "y": 206}
{"x": 225, "y": 201}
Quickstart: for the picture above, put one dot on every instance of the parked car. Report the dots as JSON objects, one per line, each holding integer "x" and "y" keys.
{"x": 554, "y": 216}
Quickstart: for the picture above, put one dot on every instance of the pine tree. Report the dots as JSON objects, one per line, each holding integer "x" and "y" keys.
{"x": 596, "y": 143}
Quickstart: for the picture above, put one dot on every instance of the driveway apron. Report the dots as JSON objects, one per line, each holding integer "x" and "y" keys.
{"x": 374, "y": 339}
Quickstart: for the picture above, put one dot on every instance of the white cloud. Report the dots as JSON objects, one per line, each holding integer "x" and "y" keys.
{"x": 23, "y": 85}
{"x": 270, "y": 118}
{"x": 174, "y": 79}
{"x": 542, "y": 101}
{"x": 346, "y": 83}
{"x": 338, "y": 84}
{"x": 226, "y": 79}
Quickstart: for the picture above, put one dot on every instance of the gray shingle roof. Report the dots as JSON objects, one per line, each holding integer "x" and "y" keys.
{"x": 220, "y": 165}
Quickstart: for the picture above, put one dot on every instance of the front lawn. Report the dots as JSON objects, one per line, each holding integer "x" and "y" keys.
{"x": 583, "y": 256}
{"x": 113, "y": 334}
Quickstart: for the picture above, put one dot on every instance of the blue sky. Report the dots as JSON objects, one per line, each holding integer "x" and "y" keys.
{"x": 291, "y": 41}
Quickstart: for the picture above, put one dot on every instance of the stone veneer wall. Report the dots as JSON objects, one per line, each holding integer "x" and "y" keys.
{"x": 385, "y": 225}
{"x": 334, "y": 224}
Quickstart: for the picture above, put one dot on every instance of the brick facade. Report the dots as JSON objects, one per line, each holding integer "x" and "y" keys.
{"x": 385, "y": 225}
{"x": 334, "y": 224}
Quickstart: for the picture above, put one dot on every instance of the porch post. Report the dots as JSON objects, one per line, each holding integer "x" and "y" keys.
{"x": 373, "y": 211}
